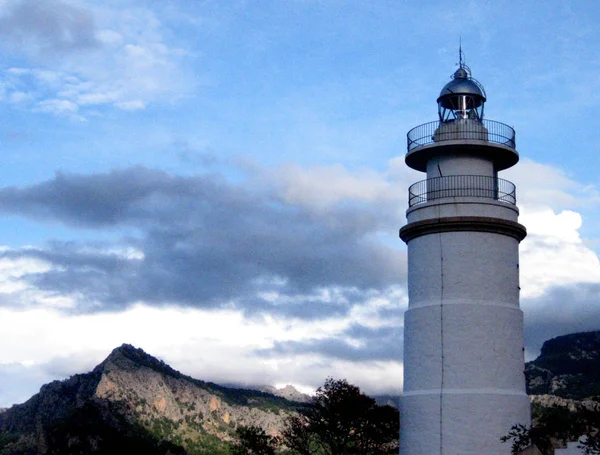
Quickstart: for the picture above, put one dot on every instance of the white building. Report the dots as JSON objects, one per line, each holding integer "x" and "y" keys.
{"x": 573, "y": 448}
{"x": 464, "y": 383}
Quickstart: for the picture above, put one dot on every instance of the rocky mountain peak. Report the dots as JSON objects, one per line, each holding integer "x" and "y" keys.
{"x": 289, "y": 392}
{"x": 583, "y": 345}
{"x": 135, "y": 399}
{"x": 568, "y": 367}
{"x": 128, "y": 350}
{"x": 127, "y": 357}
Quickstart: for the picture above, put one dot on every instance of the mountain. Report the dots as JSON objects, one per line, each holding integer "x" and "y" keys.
{"x": 567, "y": 367}
{"x": 388, "y": 400}
{"x": 564, "y": 387}
{"x": 289, "y": 392}
{"x": 135, "y": 403}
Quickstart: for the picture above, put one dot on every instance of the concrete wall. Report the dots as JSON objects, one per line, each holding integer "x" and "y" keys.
{"x": 459, "y": 165}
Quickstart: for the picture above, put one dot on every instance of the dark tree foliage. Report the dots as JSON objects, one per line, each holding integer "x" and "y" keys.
{"x": 343, "y": 421}
{"x": 558, "y": 425}
{"x": 253, "y": 440}
{"x": 91, "y": 430}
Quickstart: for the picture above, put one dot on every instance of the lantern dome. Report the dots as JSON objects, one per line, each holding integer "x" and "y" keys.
{"x": 461, "y": 98}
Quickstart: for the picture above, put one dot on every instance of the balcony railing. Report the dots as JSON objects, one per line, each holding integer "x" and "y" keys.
{"x": 481, "y": 186}
{"x": 461, "y": 129}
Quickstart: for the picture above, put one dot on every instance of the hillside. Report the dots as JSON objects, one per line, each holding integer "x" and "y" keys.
{"x": 567, "y": 367}
{"x": 135, "y": 403}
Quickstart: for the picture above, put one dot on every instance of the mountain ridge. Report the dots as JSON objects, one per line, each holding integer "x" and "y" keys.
{"x": 132, "y": 401}
{"x": 568, "y": 366}
{"x": 133, "y": 396}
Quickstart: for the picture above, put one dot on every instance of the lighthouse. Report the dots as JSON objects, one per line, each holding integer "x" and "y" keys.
{"x": 464, "y": 382}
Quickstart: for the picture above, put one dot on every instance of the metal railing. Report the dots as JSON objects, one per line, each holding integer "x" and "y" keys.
{"x": 482, "y": 186}
{"x": 461, "y": 129}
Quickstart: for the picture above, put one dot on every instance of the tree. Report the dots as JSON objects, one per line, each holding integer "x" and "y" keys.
{"x": 253, "y": 440}
{"x": 557, "y": 425}
{"x": 343, "y": 421}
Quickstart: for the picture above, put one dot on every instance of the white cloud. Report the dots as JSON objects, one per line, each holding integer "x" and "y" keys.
{"x": 541, "y": 185}
{"x": 196, "y": 341}
{"x": 323, "y": 186}
{"x": 89, "y": 55}
{"x": 58, "y": 107}
{"x": 553, "y": 253}
{"x": 131, "y": 105}
{"x": 369, "y": 314}
{"x": 17, "y": 292}
{"x": 54, "y": 345}
{"x": 12, "y": 270}
{"x": 319, "y": 188}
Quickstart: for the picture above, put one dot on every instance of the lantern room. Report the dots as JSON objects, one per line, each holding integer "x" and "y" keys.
{"x": 461, "y": 98}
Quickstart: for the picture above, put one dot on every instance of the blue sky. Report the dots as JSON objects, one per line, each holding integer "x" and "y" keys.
{"x": 216, "y": 180}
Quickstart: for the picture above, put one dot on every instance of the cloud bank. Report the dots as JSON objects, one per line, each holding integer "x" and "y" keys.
{"x": 204, "y": 242}
{"x": 305, "y": 282}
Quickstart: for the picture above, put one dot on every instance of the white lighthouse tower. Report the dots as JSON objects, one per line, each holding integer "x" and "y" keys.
{"x": 464, "y": 384}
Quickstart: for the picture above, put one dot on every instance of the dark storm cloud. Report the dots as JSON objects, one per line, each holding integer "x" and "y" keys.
{"x": 127, "y": 197}
{"x": 47, "y": 27}
{"x": 206, "y": 241}
{"x": 561, "y": 310}
{"x": 380, "y": 343}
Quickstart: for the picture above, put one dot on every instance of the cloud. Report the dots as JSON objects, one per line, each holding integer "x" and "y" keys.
{"x": 553, "y": 253}
{"x": 271, "y": 243}
{"x": 559, "y": 311}
{"x": 324, "y": 186}
{"x": 540, "y": 186}
{"x": 371, "y": 331}
{"x": 356, "y": 343}
{"x": 82, "y": 57}
{"x": 45, "y": 28}
{"x": 60, "y": 108}
{"x": 205, "y": 242}
{"x": 325, "y": 273}
{"x": 560, "y": 273}
{"x": 194, "y": 341}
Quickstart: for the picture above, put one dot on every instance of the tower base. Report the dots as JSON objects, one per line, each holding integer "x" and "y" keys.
{"x": 426, "y": 431}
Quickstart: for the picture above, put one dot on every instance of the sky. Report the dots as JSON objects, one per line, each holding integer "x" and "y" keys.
{"x": 221, "y": 183}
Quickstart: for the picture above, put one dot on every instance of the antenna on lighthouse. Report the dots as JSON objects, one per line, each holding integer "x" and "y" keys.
{"x": 461, "y": 62}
